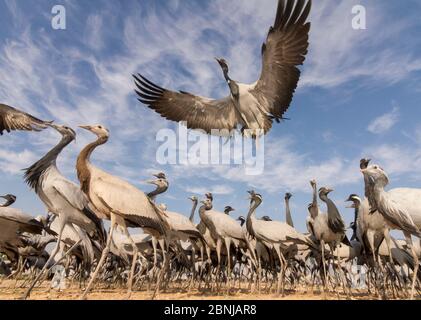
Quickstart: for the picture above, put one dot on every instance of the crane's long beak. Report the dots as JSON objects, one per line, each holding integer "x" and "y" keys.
{"x": 89, "y": 128}
{"x": 364, "y": 170}
{"x": 151, "y": 182}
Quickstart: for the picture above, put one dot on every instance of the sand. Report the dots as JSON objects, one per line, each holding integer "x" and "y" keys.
{"x": 8, "y": 291}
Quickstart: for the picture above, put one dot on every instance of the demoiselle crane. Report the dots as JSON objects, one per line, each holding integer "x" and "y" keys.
{"x": 62, "y": 197}
{"x": 274, "y": 234}
{"x": 401, "y": 208}
{"x": 119, "y": 201}
{"x": 249, "y": 107}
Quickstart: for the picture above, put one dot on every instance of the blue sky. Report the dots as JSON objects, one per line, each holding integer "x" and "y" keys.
{"x": 359, "y": 93}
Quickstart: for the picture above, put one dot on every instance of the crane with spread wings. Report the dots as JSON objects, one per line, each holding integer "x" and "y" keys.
{"x": 252, "y": 108}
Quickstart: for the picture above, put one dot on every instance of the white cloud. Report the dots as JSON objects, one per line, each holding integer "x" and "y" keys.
{"x": 216, "y": 189}
{"x": 385, "y": 122}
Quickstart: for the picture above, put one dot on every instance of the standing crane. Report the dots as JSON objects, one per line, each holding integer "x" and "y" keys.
{"x": 62, "y": 198}
{"x": 327, "y": 228}
{"x": 223, "y": 229}
{"x": 252, "y": 107}
{"x": 401, "y": 208}
{"x": 119, "y": 201}
{"x": 274, "y": 234}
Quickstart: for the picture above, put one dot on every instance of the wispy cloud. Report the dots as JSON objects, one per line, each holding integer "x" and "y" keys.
{"x": 216, "y": 189}
{"x": 385, "y": 122}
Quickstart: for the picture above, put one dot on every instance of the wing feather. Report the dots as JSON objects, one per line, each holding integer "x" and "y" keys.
{"x": 126, "y": 200}
{"x": 197, "y": 112}
{"x": 284, "y": 50}
{"x": 12, "y": 119}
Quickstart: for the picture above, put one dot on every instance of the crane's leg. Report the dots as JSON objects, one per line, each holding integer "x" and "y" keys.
{"x": 280, "y": 274}
{"x": 102, "y": 260}
{"x": 193, "y": 263}
{"x": 218, "y": 269}
{"x": 165, "y": 250}
{"x": 411, "y": 247}
{"x": 322, "y": 245}
{"x": 376, "y": 265}
{"x": 50, "y": 259}
{"x": 228, "y": 247}
{"x": 155, "y": 255}
{"x": 132, "y": 269}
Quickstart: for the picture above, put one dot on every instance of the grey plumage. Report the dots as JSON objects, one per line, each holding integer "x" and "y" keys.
{"x": 12, "y": 119}
{"x": 252, "y": 107}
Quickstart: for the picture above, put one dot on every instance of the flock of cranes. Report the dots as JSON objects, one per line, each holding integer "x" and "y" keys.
{"x": 212, "y": 255}
{"x": 220, "y": 253}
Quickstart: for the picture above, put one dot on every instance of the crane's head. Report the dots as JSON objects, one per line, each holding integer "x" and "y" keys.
{"x": 160, "y": 183}
{"x": 160, "y": 175}
{"x": 376, "y": 175}
{"x": 313, "y": 183}
{"x": 207, "y": 204}
{"x": 255, "y": 197}
{"x": 288, "y": 196}
{"x": 209, "y": 196}
{"x": 99, "y": 130}
{"x": 10, "y": 199}
{"x": 163, "y": 207}
{"x": 324, "y": 191}
{"x": 356, "y": 201}
{"x": 193, "y": 198}
{"x": 65, "y": 131}
{"x": 266, "y": 218}
{"x": 364, "y": 163}
{"x": 242, "y": 220}
{"x": 228, "y": 209}
{"x": 224, "y": 66}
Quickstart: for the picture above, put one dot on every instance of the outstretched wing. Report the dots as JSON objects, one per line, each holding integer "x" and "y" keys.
{"x": 197, "y": 112}
{"x": 285, "y": 49}
{"x": 13, "y": 119}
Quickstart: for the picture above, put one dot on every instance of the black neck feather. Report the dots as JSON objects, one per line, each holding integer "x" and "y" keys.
{"x": 34, "y": 174}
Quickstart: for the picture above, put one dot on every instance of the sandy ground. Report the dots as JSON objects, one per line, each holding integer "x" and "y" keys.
{"x": 8, "y": 291}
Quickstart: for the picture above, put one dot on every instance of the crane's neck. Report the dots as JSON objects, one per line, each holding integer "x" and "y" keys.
{"x": 288, "y": 213}
{"x": 330, "y": 204}
{"x": 314, "y": 211}
{"x": 354, "y": 227}
{"x": 83, "y": 163}
{"x": 202, "y": 211}
{"x": 193, "y": 210}
{"x": 234, "y": 88}
{"x": 369, "y": 193}
{"x": 380, "y": 197}
{"x": 35, "y": 173}
{"x": 159, "y": 190}
{"x": 252, "y": 216}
